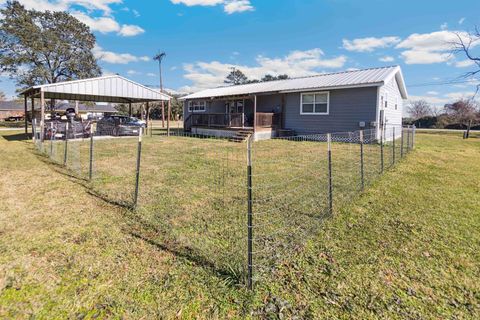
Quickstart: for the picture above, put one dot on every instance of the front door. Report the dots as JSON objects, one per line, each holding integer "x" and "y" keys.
{"x": 236, "y": 112}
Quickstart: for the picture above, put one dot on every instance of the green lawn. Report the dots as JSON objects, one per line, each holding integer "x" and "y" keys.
{"x": 408, "y": 247}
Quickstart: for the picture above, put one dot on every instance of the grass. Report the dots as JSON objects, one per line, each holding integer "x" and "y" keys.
{"x": 408, "y": 247}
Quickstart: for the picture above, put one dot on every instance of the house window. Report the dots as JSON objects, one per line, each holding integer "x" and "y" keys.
{"x": 197, "y": 106}
{"x": 314, "y": 103}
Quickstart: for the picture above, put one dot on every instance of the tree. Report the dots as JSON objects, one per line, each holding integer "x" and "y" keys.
{"x": 44, "y": 47}
{"x": 2, "y": 96}
{"x": 269, "y": 77}
{"x": 419, "y": 109}
{"x": 236, "y": 77}
{"x": 465, "y": 44}
{"x": 464, "y": 112}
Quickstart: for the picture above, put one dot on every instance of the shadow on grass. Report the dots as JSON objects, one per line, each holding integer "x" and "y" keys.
{"x": 229, "y": 276}
{"x": 17, "y": 137}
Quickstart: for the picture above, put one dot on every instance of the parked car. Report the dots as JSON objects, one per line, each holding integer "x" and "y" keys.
{"x": 116, "y": 125}
{"x": 15, "y": 118}
{"x": 76, "y": 129}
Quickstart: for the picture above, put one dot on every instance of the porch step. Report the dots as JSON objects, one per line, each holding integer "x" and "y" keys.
{"x": 240, "y": 136}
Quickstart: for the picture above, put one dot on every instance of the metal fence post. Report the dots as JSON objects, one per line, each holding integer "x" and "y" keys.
{"x": 51, "y": 139}
{"x": 393, "y": 145}
{"x": 401, "y": 142}
{"x": 408, "y": 139}
{"x": 250, "y": 214}
{"x": 413, "y": 136}
{"x": 382, "y": 133}
{"x": 137, "y": 177}
{"x": 90, "y": 167}
{"x": 65, "y": 153}
{"x": 330, "y": 182}
{"x": 362, "y": 171}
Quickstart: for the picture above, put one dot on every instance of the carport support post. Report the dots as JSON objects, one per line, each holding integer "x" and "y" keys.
{"x": 330, "y": 180}
{"x": 25, "y": 115}
{"x": 249, "y": 215}
{"x": 147, "y": 116}
{"x": 42, "y": 115}
{"x": 362, "y": 173}
{"x": 169, "y": 107}
{"x": 65, "y": 153}
{"x": 130, "y": 109}
{"x": 90, "y": 167}
{"x": 137, "y": 178}
{"x": 33, "y": 115}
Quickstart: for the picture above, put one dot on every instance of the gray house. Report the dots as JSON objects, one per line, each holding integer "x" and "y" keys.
{"x": 334, "y": 102}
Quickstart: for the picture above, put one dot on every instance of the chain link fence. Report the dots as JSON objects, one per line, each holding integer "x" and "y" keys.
{"x": 239, "y": 209}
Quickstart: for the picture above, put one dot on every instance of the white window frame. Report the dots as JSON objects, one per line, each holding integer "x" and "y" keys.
{"x": 191, "y": 106}
{"x": 315, "y": 113}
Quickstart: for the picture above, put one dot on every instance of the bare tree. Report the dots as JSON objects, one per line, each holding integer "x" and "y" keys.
{"x": 2, "y": 96}
{"x": 419, "y": 109}
{"x": 464, "y": 45}
{"x": 464, "y": 111}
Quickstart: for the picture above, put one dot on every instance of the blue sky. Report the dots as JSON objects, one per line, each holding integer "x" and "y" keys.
{"x": 204, "y": 38}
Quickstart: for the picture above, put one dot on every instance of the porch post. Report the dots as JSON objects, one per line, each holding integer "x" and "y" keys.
{"x": 130, "y": 109}
{"x": 254, "y": 113}
{"x": 282, "y": 115}
{"x": 169, "y": 108}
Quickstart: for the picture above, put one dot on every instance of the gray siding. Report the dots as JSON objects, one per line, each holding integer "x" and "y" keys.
{"x": 347, "y": 108}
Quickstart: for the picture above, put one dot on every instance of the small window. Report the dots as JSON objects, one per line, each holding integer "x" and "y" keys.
{"x": 386, "y": 100}
{"x": 197, "y": 106}
{"x": 314, "y": 103}
{"x": 396, "y": 103}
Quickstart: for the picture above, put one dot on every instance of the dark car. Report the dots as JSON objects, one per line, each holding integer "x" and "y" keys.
{"x": 116, "y": 125}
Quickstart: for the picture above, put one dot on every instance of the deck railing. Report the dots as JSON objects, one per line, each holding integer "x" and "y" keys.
{"x": 232, "y": 120}
{"x": 268, "y": 120}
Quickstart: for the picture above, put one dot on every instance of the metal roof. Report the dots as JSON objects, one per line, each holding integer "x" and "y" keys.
{"x": 115, "y": 89}
{"x": 346, "y": 79}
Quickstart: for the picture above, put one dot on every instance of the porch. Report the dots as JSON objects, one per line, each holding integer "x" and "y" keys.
{"x": 261, "y": 121}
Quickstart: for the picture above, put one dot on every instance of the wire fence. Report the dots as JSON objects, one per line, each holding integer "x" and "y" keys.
{"x": 239, "y": 209}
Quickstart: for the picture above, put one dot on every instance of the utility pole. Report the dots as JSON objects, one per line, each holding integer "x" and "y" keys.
{"x": 159, "y": 57}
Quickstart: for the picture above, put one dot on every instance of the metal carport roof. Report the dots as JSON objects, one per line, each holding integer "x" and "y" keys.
{"x": 113, "y": 89}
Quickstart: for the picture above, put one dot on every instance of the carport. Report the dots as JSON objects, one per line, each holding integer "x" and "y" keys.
{"x": 112, "y": 89}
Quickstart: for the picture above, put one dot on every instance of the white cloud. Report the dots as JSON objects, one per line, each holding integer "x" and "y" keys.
{"x": 116, "y": 58}
{"x": 128, "y": 30}
{"x": 427, "y": 48}
{"x": 462, "y": 20}
{"x": 105, "y": 23}
{"x": 369, "y": 44}
{"x": 151, "y": 74}
{"x": 229, "y": 6}
{"x": 444, "y": 26}
{"x": 464, "y": 63}
{"x": 297, "y": 63}
{"x": 101, "y": 24}
{"x": 387, "y": 59}
{"x": 237, "y": 6}
{"x": 433, "y": 93}
{"x": 132, "y": 72}
{"x": 437, "y": 100}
